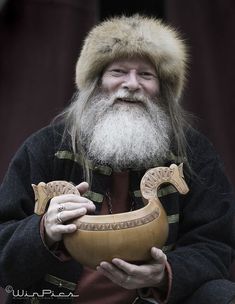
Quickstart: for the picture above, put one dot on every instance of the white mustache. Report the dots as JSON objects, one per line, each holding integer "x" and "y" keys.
{"x": 130, "y": 97}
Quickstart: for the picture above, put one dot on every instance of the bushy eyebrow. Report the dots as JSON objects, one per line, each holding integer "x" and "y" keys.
{"x": 123, "y": 66}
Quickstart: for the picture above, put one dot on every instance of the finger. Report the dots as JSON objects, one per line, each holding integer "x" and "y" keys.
{"x": 126, "y": 267}
{"x": 64, "y": 198}
{"x": 83, "y": 187}
{"x": 107, "y": 274}
{"x": 118, "y": 277}
{"x": 64, "y": 229}
{"x": 112, "y": 272}
{"x": 137, "y": 270}
{"x": 112, "y": 269}
{"x": 107, "y": 267}
{"x": 158, "y": 255}
{"x": 89, "y": 205}
{"x": 70, "y": 215}
{"x": 103, "y": 271}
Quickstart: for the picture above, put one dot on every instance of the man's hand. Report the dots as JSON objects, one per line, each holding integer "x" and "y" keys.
{"x": 132, "y": 276}
{"x": 63, "y": 208}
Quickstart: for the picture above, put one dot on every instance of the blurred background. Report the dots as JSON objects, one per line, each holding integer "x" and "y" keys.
{"x": 39, "y": 45}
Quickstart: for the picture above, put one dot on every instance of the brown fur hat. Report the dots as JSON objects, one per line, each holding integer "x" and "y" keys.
{"x": 124, "y": 36}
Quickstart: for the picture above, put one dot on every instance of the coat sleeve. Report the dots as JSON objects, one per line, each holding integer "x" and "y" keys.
{"x": 24, "y": 259}
{"x": 204, "y": 250}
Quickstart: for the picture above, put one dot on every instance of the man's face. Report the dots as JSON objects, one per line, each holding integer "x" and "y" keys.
{"x": 136, "y": 75}
{"x": 124, "y": 124}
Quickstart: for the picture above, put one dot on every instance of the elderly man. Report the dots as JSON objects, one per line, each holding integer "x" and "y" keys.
{"x": 125, "y": 118}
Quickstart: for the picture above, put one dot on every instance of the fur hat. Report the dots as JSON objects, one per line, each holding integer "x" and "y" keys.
{"x": 124, "y": 36}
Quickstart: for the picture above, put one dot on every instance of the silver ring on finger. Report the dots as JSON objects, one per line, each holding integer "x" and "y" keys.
{"x": 61, "y": 208}
{"x": 59, "y": 219}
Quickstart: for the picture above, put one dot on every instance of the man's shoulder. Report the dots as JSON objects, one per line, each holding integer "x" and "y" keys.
{"x": 197, "y": 140}
{"x": 50, "y": 130}
{"x": 51, "y": 133}
{"x": 200, "y": 149}
{"x": 46, "y": 140}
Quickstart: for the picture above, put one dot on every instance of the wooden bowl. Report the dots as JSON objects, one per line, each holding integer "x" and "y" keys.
{"x": 130, "y": 235}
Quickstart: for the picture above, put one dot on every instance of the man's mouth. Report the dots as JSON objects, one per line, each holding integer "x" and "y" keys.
{"x": 127, "y": 100}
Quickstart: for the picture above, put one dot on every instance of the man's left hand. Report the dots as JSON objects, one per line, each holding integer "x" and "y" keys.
{"x": 132, "y": 276}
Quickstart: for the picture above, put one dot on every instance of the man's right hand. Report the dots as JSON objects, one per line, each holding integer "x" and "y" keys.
{"x": 64, "y": 208}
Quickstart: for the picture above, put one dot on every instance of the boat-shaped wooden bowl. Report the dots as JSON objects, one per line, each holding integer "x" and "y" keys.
{"x": 128, "y": 235}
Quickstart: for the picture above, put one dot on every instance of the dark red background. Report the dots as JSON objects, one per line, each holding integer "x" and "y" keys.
{"x": 40, "y": 41}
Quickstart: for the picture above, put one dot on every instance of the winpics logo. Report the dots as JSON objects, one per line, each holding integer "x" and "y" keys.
{"x": 45, "y": 294}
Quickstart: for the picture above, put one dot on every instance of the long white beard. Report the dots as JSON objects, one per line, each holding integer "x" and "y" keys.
{"x": 125, "y": 135}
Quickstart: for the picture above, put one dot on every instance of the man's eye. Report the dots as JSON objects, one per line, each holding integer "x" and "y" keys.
{"x": 147, "y": 75}
{"x": 117, "y": 72}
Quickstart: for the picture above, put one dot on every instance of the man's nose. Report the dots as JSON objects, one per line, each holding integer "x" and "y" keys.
{"x": 131, "y": 81}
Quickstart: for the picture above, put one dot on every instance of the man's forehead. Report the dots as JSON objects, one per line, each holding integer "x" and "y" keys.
{"x": 132, "y": 62}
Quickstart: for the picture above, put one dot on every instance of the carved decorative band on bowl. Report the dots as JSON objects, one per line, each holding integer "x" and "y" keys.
{"x": 119, "y": 225}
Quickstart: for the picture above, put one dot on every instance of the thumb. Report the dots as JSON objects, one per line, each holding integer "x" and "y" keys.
{"x": 158, "y": 255}
{"x": 82, "y": 187}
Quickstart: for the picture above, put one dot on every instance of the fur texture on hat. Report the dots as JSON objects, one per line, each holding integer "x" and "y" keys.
{"x": 130, "y": 36}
